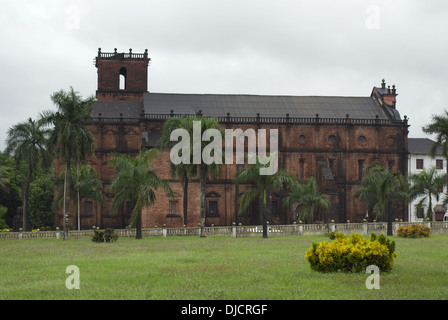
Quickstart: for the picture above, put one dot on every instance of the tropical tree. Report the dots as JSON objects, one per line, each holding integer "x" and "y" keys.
{"x": 41, "y": 199}
{"x": 183, "y": 171}
{"x": 28, "y": 141}
{"x": 14, "y": 174}
{"x": 4, "y": 178}
{"x": 439, "y": 127}
{"x": 426, "y": 184}
{"x": 206, "y": 169}
{"x": 136, "y": 182}
{"x": 3, "y": 212}
{"x": 306, "y": 195}
{"x": 196, "y": 125}
{"x": 70, "y": 134}
{"x": 263, "y": 185}
{"x": 379, "y": 188}
{"x": 85, "y": 183}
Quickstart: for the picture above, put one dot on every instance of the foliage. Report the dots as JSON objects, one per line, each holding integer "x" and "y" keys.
{"x": 41, "y": 199}
{"x": 136, "y": 182}
{"x": 306, "y": 194}
{"x": 3, "y": 212}
{"x": 74, "y": 140}
{"x": 439, "y": 128}
{"x": 183, "y": 171}
{"x": 98, "y": 236}
{"x": 426, "y": 184}
{"x": 29, "y": 141}
{"x": 110, "y": 235}
{"x": 84, "y": 184}
{"x": 263, "y": 186}
{"x": 379, "y": 188}
{"x": 352, "y": 254}
{"x": 414, "y": 231}
{"x": 204, "y": 169}
{"x": 16, "y": 172}
{"x": 331, "y": 235}
{"x": 4, "y": 178}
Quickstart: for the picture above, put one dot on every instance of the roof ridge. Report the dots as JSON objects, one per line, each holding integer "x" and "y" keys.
{"x": 252, "y": 95}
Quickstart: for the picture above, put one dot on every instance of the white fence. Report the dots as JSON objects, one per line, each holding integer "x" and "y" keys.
{"x": 238, "y": 231}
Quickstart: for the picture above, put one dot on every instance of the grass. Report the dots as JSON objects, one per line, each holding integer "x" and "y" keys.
{"x": 212, "y": 268}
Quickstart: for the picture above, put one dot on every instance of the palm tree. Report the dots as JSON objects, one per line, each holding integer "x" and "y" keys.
{"x": 427, "y": 183}
{"x": 85, "y": 183}
{"x": 204, "y": 169}
{"x": 439, "y": 127}
{"x": 136, "y": 182}
{"x": 379, "y": 188}
{"x": 28, "y": 141}
{"x": 70, "y": 135}
{"x": 4, "y": 179}
{"x": 263, "y": 187}
{"x": 192, "y": 124}
{"x": 183, "y": 171}
{"x": 306, "y": 194}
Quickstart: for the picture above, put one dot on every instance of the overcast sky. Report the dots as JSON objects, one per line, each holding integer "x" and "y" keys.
{"x": 282, "y": 47}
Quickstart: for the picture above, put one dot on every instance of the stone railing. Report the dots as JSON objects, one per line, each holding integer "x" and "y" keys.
{"x": 284, "y": 120}
{"x": 238, "y": 231}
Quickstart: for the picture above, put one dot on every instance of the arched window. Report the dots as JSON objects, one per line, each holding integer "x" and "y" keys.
{"x": 122, "y": 83}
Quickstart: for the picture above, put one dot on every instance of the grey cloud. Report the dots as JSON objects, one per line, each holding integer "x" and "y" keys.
{"x": 246, "y": 46}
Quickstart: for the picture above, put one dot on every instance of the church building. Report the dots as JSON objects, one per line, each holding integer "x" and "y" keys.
{"x": 331, "y": 138}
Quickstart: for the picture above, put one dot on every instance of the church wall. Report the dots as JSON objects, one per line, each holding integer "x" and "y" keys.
{"x": 306, "y": 150}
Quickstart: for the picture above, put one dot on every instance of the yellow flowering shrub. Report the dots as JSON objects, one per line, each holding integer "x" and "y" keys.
{"x": 352, "y": 254}
{"x": 414, "y": 231}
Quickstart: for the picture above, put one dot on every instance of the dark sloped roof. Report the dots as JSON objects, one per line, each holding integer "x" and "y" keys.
{"x": 113, "y": 109}
{"x": 267, "y": 106}
{"x": 419, "y": 145}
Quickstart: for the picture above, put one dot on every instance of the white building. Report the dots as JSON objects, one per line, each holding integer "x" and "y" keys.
{"x": 419, "y": 160}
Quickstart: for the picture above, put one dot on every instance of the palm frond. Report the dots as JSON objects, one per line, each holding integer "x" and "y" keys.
{"x": 247, "y": 198}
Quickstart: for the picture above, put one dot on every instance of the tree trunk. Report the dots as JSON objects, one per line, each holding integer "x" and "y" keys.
{"x": 265, "y": 220}
{"x": 25, "y": 196}
{"x": 68, "y": 177}
{"x": 237, "y": 195}
{"x": 430, "y": 213}
{"x": 138, "y": 225}
{"x": 79, "y": 201}
{"x": 79, "y": 212}
{"x": 202, "y": 173}
{"x": 389, "y": 217}
{"x": 185, "y": 201}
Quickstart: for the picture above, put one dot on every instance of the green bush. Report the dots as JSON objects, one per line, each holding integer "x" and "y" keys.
{"x": 110, "y": 235}
{"x": 414, "y": 231}
{"x": 352, "y": 254}
{"x": 330, "y": 235}
{"x": 98, "y": 236}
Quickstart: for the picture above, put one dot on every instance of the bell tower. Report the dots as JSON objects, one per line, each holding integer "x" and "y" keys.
{"x": 122, "y": 76}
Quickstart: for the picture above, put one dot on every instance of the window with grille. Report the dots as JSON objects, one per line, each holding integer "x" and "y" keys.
{"x": 419, "y": 164}
{"x": 212, "y": 209}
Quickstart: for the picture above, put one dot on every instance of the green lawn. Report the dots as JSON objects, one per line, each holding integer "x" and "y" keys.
{"x": 210, "y": 268}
